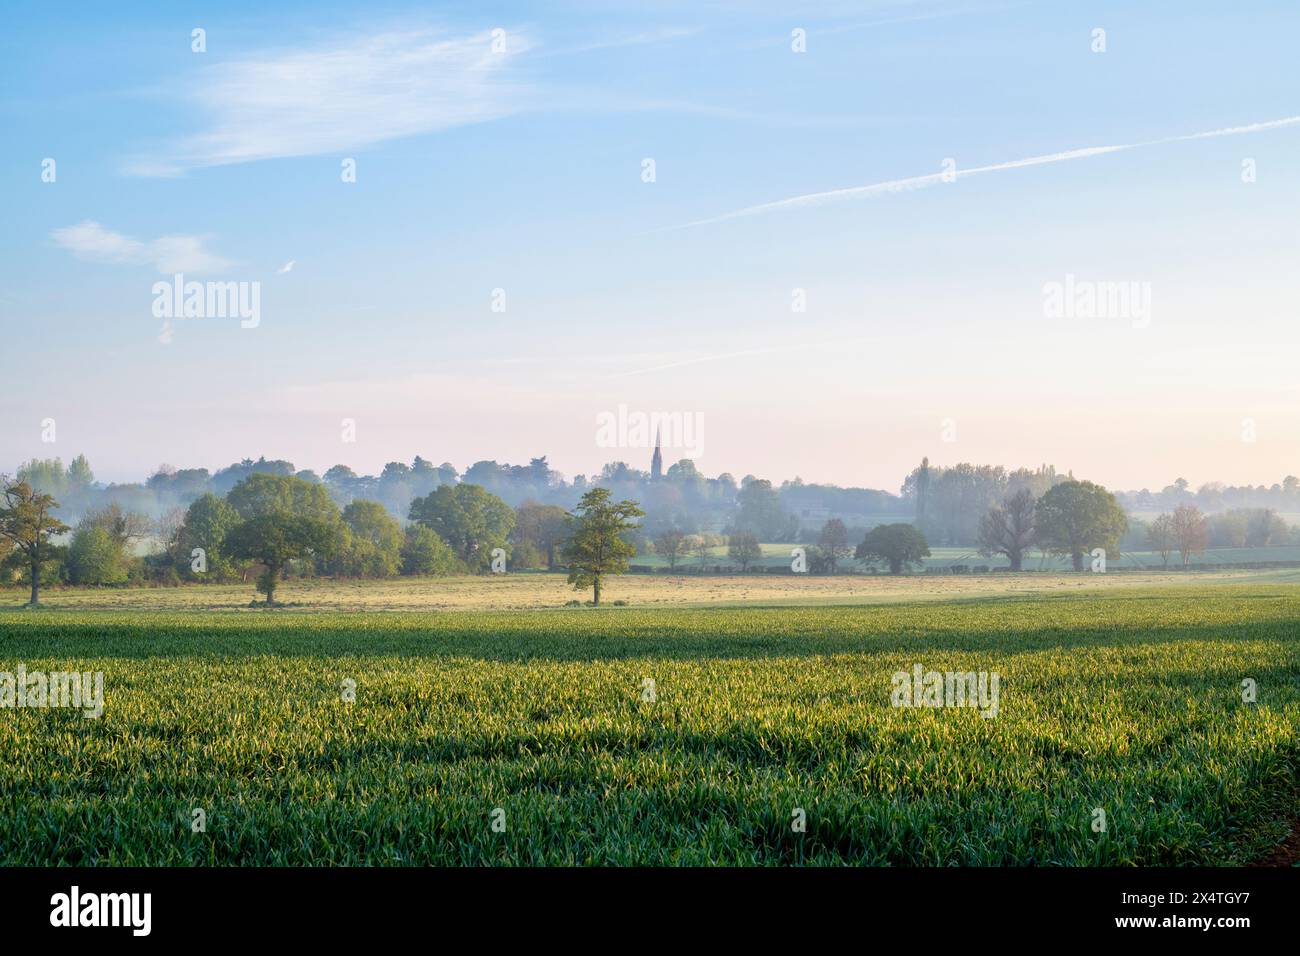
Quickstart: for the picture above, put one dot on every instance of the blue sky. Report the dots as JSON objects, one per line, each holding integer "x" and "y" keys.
{"x": 480, "y": 170}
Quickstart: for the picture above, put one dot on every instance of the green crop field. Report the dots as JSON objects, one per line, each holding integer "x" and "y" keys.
{"x": 1126, "y": 702}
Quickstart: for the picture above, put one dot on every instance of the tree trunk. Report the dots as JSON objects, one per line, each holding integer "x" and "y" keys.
{"x": 1078, "y": 560}
{"x": 36, "y": 582}
{"x": 1015, "y": 561}
{"x": 271, "y": 578}
{"x": 595, "y": 593}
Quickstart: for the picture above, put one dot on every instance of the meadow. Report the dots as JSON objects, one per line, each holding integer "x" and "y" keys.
{"x": 1123, "y": 697}
{"x": 943, "y": 559}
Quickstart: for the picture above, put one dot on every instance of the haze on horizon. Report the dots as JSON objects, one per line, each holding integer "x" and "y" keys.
{"x": 798, "y": 274}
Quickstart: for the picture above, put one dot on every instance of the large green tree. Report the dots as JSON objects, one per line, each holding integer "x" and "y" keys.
{"x": 1075, "y": 517}
{"x": 469, "y": 518}
{"x": 598, "y": 547}
{"x": 27, "y": 521}
{"x": 283, "y": 518}
{"x": 897, "y": 545}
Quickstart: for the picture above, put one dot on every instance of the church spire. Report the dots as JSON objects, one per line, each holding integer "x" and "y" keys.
{"x": 657, "y": 462}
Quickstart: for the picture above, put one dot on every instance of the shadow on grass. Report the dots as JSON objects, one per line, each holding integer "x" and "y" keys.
{"x": 1004, "y": 625}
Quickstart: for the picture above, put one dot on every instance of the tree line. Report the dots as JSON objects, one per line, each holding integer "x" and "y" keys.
{"x": 270, "y": 525}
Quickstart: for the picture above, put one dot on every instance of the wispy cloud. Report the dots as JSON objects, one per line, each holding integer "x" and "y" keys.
{"x": 168, "y": 254}
{"x": 287, "y": 267}
{"x": 344, "y": 96}
{"x": 888, "y": 187}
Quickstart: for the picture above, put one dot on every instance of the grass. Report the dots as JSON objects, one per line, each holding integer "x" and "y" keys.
{"x": 530, "y": 591}
{"x": 1126, "y": 699}
{"x": 943, "y": 557}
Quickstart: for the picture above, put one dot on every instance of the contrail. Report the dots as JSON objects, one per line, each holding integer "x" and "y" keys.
{"x": 920, "y": 182}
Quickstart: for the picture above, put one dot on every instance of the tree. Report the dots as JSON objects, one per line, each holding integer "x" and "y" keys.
{"x": 1008, "y": 529}
{"x": 124, "y": 527}
{"x": 833, "y": 543}
{"x": 94, "y": 557}
{"x": 1190, "y": 531}
{"x": 1230, "y": 529}
{"x": 744, "y": 549}
{"x": 207, "y": 522}
{"x": 897, "y": 545}
{"x": 80, "y": 477}
{"x": 276, "y": 538}
{"x": 541, "y": 527}
{"x": 701, "y": 548}
{"x": 284, "y": 518}
{"x": 1161, "y": 538}
{"x": 922, "y": 486}
{"x": 1075, "y": 517}
{"x": 263, "y": 493}
{"x": 761, "y": 511}
{"x": 423, "y": 552}
{"x": 27, "y": 522}
{"x": 598, "y": 548}
{"x": 1265, "y": 527}
{"x": 469, "y": 518}
{"x": 375, "y": 545}
{"x": 670, "y": 544}
{"x": 167, "y": 528}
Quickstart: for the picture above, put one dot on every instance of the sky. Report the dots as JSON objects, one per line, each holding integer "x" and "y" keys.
{"x": 833, "y": 238}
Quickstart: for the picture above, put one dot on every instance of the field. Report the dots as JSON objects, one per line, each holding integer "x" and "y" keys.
{"x": 944, "y": 558}
{"x": 549, "y": 591}
{"x": 1119, "y": 694}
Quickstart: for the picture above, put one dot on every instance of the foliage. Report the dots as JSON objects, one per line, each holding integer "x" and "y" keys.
{"x": 598, "y": 547}
{"x": 283, "y": 518}
{"x": 423, "y": 552}
{"x": 1076, "y": 517}
{"x": 1008, "y": 529}
{"x": 207, "y": 523}
{"x": 897, "y": 545}
{"x": 833, "y": 544}
{"x": 94, "y": 557}
{"x": 670, "y": 544}
{"x": 539, "y": 533}
{"x": 374, "y": 547}
{"x": 469, "y": 518}
{"x": 743, "y": 549}
{"x": 761, "y": 512}
{"x": 27, "y": 521}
